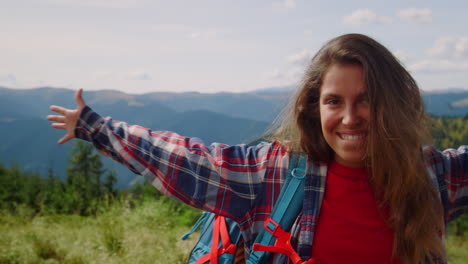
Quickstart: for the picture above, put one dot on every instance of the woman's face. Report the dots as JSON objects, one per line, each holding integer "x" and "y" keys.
{"x": 344, "y": 113}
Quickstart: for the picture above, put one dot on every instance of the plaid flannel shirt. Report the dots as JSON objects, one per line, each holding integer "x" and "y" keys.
{"x": 242, "y": 182}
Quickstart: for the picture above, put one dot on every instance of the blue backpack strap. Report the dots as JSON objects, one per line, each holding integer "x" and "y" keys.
{"x": 286, "y": 209}
{"x": 197, "y": 225}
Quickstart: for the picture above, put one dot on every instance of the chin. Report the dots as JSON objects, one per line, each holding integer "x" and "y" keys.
{"x": 357, "y": 161}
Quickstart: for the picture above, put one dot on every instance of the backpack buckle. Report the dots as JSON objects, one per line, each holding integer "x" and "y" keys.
{"x": 276, "y": 230}
{"x": 271, "y": 225}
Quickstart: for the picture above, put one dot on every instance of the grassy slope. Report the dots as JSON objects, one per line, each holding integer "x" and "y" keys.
{"x": 457, "y": 249}
{"x": 120, "y": 235}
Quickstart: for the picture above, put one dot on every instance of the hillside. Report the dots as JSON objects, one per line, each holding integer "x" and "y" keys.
{"x": 229, "y": 118}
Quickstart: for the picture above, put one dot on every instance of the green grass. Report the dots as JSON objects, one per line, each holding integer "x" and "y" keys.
{"x": 143, "y": 235}
{"x": 149, "y": 233}
{"x": 457, "y": 249}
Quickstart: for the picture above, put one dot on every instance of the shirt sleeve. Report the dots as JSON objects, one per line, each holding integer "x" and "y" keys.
{"x": 218, "y": 178}
{"x": 451, "y": 170}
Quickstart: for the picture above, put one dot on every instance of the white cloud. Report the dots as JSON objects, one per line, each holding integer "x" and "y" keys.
{"x": 365, "y": 16}
{"x": 416, "y": 15}
{"x": 285, "y": 4}
{"x": 295, "y": 74}
{"x": 139, "y": 76}
{"x": 302, "y": 58}
{"x": 450, "y": 47}
{"x": 288, "y": 76}
{"x": 360, "y": 17}
{"x": 272, "y": 75}
{"x": 402, "y": 56}
{"x": 439, "y": 66}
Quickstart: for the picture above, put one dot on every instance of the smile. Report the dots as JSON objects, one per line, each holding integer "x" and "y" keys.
{"x": 351, "y": 136}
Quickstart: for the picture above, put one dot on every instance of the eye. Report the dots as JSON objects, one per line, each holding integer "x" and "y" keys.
{"x": 332, "y": 101}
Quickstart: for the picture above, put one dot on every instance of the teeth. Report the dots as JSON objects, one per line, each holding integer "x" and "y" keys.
{"x": 352, "y": 137}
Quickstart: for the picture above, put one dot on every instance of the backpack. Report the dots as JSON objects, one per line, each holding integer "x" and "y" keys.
{"x": 220, "y": 236}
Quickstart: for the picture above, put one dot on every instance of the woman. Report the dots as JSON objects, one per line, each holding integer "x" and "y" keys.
{"x": 359, "y": 118}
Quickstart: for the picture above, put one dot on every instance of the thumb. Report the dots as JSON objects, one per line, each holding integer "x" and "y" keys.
{"x": 65, "y": 138}
{"x": 80, "y": 103}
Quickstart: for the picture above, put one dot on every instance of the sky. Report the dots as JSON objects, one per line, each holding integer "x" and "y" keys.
{"x": 140, "y": 46}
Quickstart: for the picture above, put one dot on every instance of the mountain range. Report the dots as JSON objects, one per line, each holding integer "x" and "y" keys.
{"x": 229, "y": 118}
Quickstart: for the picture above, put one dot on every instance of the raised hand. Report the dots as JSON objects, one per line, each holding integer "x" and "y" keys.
{"x": 67, "y": 118}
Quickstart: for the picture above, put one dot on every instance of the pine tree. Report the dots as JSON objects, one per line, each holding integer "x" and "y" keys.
{"x": 55, "y": 199}
{"x": 84, "y": 187}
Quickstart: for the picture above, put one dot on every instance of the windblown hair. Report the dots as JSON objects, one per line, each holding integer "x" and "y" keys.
{"x": 396, "y": 133}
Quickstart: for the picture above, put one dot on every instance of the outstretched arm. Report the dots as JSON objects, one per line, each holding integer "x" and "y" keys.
{"x": 67, "y": 118}
{"x": 456, "y": 179}
{"x": 449, "y": 171}
{"x": 218, "y": 178}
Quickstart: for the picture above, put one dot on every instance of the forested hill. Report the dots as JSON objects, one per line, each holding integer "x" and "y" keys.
{"x": 222, "y": 117}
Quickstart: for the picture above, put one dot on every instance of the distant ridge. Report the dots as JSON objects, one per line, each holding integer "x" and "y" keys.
{"x": 229, "y": 118}
{"x": 447, "y": 90}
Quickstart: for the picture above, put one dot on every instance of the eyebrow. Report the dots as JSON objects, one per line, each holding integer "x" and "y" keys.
{"x": 330, "y": 95}
{"x": 360, "y": 95}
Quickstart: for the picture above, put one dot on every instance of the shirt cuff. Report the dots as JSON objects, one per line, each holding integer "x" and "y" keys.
{"x": 88, "y": 124}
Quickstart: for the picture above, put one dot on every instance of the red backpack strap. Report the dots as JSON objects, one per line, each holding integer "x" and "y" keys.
{"x": 282, "y": 244}
{"x": 219, "y": 230}
{"x": 215, "y": 241}
{"x": 228, "y": 247}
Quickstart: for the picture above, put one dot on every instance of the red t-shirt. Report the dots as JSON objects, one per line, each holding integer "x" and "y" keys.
{"x": 351, "y": 227}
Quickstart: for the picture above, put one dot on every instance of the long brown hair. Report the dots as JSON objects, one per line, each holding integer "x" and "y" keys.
{"x": 397, "y": 132}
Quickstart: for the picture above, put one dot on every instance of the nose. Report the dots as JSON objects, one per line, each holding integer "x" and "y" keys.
{"x": 350, "y": 116}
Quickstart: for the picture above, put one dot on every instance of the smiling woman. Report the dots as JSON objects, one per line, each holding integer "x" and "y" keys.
{"x": 358, "y": 106}
{"x": 374, "y": 192}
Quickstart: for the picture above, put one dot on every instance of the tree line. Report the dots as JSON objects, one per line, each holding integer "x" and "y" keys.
{"x": 449, "y": 132}
{"x": 87, "y": 189}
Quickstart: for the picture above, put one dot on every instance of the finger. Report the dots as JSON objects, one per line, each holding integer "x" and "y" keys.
{"x": 64, "y": 139}
{"x": 59, "y": 125}
{"x": 80, "y": 103}
{"x": 56, "y": 118}
{"x": 58, "y": 109}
